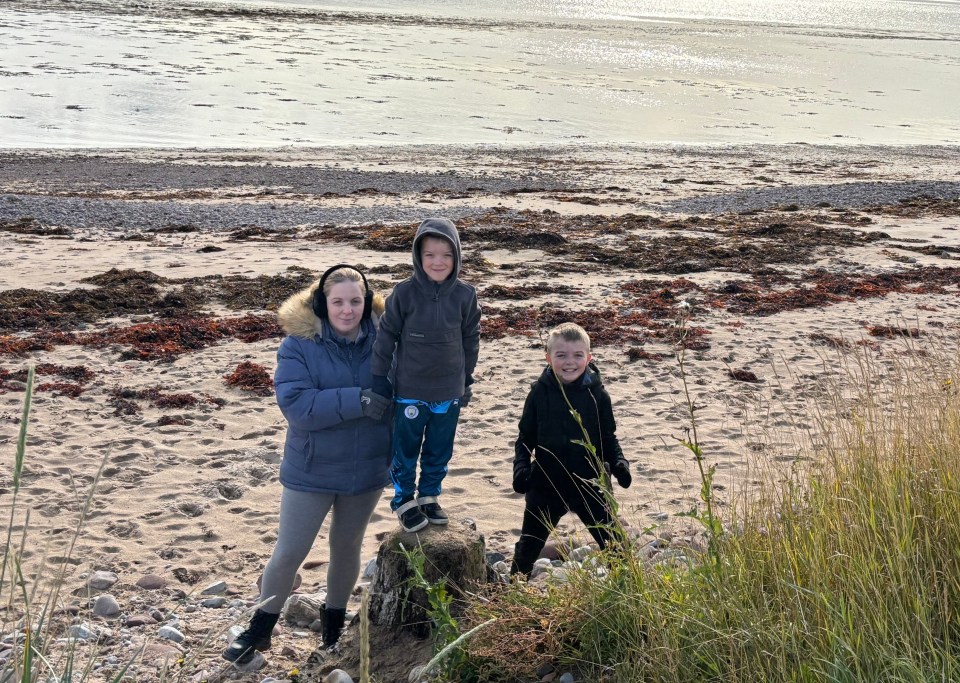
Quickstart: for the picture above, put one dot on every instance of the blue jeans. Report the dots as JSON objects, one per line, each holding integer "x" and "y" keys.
{"x": 419, "y": 434}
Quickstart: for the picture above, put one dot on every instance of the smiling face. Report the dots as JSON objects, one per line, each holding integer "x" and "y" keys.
{"x": 568, "y": 359}
{"x": 345, "y": 308}
{"x": 436, "y": 257}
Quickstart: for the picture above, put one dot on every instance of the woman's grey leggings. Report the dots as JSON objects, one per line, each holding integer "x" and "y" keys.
{"x": 301, "y": 516}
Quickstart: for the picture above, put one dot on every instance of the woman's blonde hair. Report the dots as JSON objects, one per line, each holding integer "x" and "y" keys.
{"x": 346, "y": 274}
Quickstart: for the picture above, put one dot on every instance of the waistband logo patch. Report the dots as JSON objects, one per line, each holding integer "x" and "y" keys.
{"x": 411, "y": 412}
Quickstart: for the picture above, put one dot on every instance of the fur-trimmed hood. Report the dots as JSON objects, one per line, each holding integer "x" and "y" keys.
{"x": 297, "y": 318}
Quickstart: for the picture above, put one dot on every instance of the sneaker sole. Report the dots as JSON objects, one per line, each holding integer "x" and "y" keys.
{"x": 439, "y": 522}
{"x": 413, "y": 529}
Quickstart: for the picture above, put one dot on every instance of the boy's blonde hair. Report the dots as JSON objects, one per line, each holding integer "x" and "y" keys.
{"x": 569, "y": 332}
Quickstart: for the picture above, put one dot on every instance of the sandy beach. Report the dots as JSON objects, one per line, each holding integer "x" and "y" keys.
{"x": 138, "y": 282}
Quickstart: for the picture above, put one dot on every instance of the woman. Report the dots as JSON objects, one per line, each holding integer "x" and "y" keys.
{"x": 337, "y": 451}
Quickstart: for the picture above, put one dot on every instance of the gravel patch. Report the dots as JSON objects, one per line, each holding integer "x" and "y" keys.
{"x": 144, "y": 215}
{"x": 847, "y": 195}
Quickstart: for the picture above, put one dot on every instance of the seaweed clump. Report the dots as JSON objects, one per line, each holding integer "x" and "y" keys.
{"x": 251, "y": 377}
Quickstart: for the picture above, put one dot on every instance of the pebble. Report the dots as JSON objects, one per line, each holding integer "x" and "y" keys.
{"x": 338, "y": 676}
{"x": 101, "y": 580}
{"x": 316, "y": 625}
{"x": 566, "y": 678}
{"x": 494, "y": 557}
{"x": 190, "y": 609}
{"x": 106, "y": 606}
{"x": 257, "y": 662}
{"x": 140, "y": 620}
{"x": 170, "y": 633}
{"x": 214, "y": 603}
{"x": 501, "y": 567}
{"x": 81, "y": 632}
{"x": 215, "y": 588}
{"x": 151, "y": 582}
{"x": 370, "y": 569}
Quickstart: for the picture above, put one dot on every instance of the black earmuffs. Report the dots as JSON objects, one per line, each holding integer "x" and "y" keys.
{"x": 320, "y": 299}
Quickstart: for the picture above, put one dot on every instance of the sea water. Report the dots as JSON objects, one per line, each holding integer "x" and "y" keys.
{"x": 206, "y": 73}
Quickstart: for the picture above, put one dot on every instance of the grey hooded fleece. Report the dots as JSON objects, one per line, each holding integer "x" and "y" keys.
{"x": 430, "y": 331}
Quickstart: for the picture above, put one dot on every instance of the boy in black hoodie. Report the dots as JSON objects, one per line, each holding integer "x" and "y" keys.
{"x": 429, "y": 340}
{"x": 563, "y": 475}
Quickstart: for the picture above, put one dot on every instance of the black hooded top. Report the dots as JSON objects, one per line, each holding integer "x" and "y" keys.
{"x": 548, "y": 431}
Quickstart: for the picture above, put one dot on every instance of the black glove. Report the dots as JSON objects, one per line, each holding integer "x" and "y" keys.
{"x": 521, "y": 478}
{"x": 621, "y": 470}
{"x": 373, "y": 404}
{"x": 382, "y": 386}
{"x": 465, "y": 399}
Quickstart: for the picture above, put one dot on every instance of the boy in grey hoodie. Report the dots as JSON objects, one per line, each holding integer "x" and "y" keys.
{"x": 429, "y": 340}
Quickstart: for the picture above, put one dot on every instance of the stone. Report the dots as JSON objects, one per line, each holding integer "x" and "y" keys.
{"x": 151, "y": 582}
{"x": 257, "y": 662}
{"x": 581, "y": 553}
{"x": 370, "y": 569}
{"x": 316, "y": 625}
{"x": 170, "y": 633}
{"x": 81, "y": 632}
{"x": 140, "y": 620}
{"x": 454, "y": 553}
{"x": 566, "y": 678}
{"x": 303, "y": 610}
{"x": 215, "y": 588}
{"x": 101, "y": 580}
{"x": 214, "y": 603}
{"x": 338, "y": 676}
{"x": 106, "y": 606}
{"x": 494, "y": 557}
{"x": 160, "y": 654}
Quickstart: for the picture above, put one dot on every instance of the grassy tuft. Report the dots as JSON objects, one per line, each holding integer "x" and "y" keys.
{"x": 847, "y": 570}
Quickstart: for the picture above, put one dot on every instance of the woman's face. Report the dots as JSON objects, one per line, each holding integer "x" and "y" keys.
{"x": 345, "y": 308}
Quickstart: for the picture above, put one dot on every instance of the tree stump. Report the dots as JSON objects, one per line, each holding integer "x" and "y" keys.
{"x": 454, "y": 553}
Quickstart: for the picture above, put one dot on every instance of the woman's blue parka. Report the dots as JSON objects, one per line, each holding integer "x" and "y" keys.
{"x": 330, "y": 447}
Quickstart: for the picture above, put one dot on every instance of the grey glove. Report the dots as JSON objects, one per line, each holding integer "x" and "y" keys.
{"x": 373, "y": 404}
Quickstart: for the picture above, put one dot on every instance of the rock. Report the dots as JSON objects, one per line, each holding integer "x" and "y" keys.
{"x": 101, "y": 580}
{"x": 494, "y": 557}
{"x": 140, "y": 620}
{"x": 288, "y": 652}
{"x": 454, "y": 553}
{"x": 316, "y": 625}
{"x": 551, "y": 550}
{"x": 151, "y": 582}
{"x": 303, "y": 610}
{"x": 370, "y": 569}
{"x": 501, "y": 567}
{"x": 581, "y": 553}
{"x": 543, "y": 563}
{"x": 106, "y": 606}
{"x": 301, "y": 634}
{"x": 158, "y": 615}
{"x": 338, "y": 676}
{"x": 545, "y": 669}
{"x": 82, "y": 632}
{"x": 170, "y": 633}
{"x": 566, "y": 678}
{"x": 160, "y": 654}
{"x": 215, "y": 588}
{"x": 214, "y": 603}
{"x": 257, "y": 662}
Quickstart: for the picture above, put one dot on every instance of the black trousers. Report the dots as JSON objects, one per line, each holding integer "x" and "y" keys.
{"x": 546, "y": 504}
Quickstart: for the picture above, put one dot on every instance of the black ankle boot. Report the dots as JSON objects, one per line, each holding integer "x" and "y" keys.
{"x": 332, "y": 620}
{"x": 255, "y": 637}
